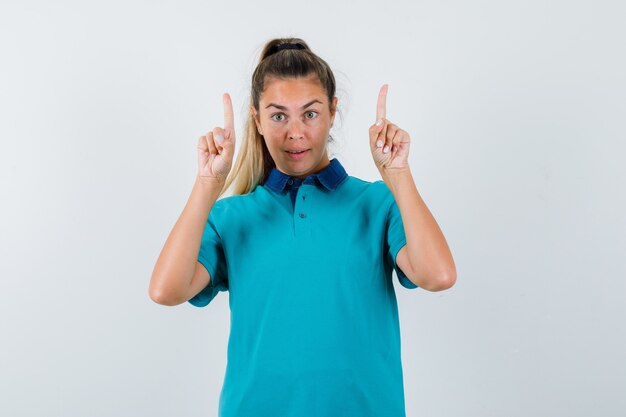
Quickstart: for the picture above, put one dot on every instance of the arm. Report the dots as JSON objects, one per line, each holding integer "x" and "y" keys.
{"x": 177, "y": 272}
{"x": 426, "y": 258}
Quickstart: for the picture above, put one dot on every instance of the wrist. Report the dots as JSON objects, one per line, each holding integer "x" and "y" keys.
{"x": 393, "y": 173}
{"x": 396, "y": 177}
{"x": 210, "y": 182}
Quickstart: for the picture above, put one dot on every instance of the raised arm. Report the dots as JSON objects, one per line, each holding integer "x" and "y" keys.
{"x": 178, "y": 275}
{"x": 426, "y": 259}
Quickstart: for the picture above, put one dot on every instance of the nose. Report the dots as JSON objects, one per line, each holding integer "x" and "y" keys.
{"x": 296, "y": 129}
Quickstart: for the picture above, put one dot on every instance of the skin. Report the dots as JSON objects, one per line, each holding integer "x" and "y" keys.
{"x": 426, "y": 258}
{"x": 286, "y": 124}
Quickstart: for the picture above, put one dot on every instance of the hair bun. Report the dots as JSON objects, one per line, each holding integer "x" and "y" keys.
{"x": 279, "y": 47}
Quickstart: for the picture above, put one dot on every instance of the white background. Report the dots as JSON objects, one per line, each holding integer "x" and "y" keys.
{"x": 516, "y": 114}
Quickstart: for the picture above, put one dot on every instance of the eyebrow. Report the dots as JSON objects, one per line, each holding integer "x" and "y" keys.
{"x": 285, "y": 108}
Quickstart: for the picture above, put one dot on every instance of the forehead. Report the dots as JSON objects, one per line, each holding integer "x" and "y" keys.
{"x": 292, "y": 91}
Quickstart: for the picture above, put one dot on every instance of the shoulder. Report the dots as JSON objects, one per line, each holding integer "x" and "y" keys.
{"x": 371, "y": 198}
{"x": 233, "y": 205}
{"x": 376, "y": 190}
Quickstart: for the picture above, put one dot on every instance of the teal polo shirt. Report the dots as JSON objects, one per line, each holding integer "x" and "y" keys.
{"x": 314, "y": 327}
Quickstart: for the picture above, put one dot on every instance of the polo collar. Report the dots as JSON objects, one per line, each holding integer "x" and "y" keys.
{"x": 330, "y": 178}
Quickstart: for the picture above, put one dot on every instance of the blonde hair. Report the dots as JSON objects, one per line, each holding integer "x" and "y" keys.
{"x": 254, "y": 162}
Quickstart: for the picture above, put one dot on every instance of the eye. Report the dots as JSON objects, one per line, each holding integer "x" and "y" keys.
{"x": 277, "y": 114}
{"x": 312, "y": 112}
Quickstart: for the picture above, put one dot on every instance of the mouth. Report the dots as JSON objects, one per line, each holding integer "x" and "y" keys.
{"x": 297, "y": 154}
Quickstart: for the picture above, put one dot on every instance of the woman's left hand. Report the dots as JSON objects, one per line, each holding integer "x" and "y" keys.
{"x": 390, "y": 137}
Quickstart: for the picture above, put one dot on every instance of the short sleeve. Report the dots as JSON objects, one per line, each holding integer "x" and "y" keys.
{"x": 211, "y": 255}
{"x": 395, "y": 240}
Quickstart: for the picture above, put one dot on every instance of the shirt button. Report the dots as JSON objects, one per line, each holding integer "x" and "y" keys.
{"x": 290, "y": 182}
{"x": 303, "y": 215}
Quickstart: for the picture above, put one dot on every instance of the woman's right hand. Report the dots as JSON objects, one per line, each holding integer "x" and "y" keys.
{"x": 215, "y": 156}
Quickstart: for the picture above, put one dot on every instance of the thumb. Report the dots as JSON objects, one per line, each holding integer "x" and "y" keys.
{"x": 225, "y": 143}
{"x": 219, "y": 135}
{"x": 225, "y": 135}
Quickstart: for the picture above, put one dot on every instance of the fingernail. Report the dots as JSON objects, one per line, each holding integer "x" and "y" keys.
{"x": 379, "y": 143}
{"x": 379, "y": 122}
{"x": 386, "y": 149}
{"x": 219, "y": 138}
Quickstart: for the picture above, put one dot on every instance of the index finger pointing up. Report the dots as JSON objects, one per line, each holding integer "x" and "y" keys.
{"x": 381, "y": 107}
{"x": 229, "y": 122}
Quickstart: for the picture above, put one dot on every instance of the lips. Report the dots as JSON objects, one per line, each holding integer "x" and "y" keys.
{"x": 297, "y": 156}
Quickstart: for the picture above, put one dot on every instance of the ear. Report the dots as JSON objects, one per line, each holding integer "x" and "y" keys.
{"x": 256, "y": 119}
{"x": 333, "y": 111}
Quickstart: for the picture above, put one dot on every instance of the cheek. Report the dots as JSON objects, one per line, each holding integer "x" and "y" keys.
{"x": 318, "y": 129}
{"x": 270, "y": 130}
{"x": 271, "y": 144}
{"x": 274, "y": 145}
{"x": 273, "y": 130}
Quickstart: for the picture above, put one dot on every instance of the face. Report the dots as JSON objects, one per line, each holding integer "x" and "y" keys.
{"x": 294, "y": 115}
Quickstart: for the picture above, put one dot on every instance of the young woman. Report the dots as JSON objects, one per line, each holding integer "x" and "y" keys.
{"x": 305, "y": 251}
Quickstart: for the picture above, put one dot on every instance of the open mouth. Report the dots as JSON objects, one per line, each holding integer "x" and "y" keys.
{"x": 297, "y": 154}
